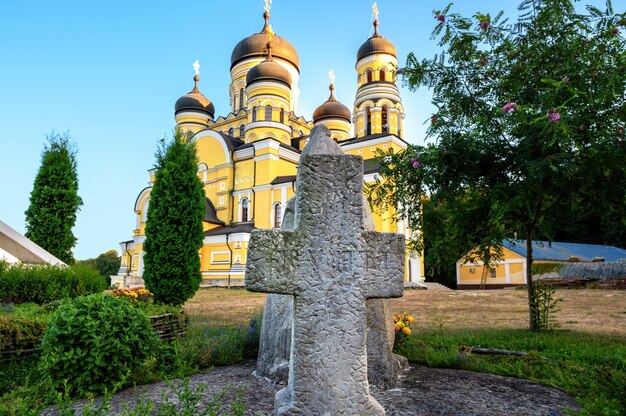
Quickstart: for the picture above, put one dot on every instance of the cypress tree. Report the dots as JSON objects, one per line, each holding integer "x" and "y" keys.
{"x": 174, "y": 231}
{"x": 54, "y": 201}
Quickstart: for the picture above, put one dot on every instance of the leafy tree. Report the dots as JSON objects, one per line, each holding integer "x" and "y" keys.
{"x": 106, "y": 264}
{"x": 174, "y": 230}
{"x": 54, "y": 200}
{"x": 530, "y": 117}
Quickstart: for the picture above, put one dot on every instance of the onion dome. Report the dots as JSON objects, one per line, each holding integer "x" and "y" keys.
{"x": 376, "y": 44}
{"x": 268, "y": 70}
{"x": 194, "y": 100}
{"x": 255, "y": 46}
{"x": 331, "y": 109}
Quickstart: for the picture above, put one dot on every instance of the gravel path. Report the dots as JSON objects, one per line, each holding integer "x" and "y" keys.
{"x": 423, "y": 391}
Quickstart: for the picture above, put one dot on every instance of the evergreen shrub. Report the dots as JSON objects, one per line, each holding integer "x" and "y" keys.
{"x": 43, "y": 284}
{"x": 93, "y": 344}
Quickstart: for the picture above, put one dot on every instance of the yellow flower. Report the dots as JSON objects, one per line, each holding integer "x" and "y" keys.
{"x": 411, "y": 319}
{"x": 401, "y": 324}
{"x": 406, "y": 330}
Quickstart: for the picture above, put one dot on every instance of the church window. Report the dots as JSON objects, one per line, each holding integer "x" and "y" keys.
{"x": 282, "y": 115}
{"x": 384, "y": 117}
{"x": 231, "y": 131}
{"x": 277, "y": 215}
{"x": 241, "y": 98}
{"x": 189, "y": 134}
{"x": 253, "y": 113}
{"x": 368, "y": 121}
{"x": 382, "y": 74}
{"x": 268, "y": 112}
{"x": 368, "y": 75}
{"x": 492, "y": 273}
{"x": 241, "y": 131}
{"x": 245, "y": 206}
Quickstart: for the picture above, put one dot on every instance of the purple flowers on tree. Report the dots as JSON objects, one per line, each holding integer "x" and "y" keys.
{"x": 510, "y": 106}
{"x": 415, "y": 163}
{"x": 553, "y": 116}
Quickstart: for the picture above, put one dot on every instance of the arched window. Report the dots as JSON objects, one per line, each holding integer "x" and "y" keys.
{"x": 384, "y": 117}
{"x": 253, "y": 113}
{"x": 368, "y": 75}
{"x": 268, "y": 113}
{"x": 242, "y": 131}
{"x": 282, "y": 116}
{"x": 245, "y": 207}
{"x": 231, "y": 131}
{"x": 277, "y": 215}
{"x": 368, "y": 121}
{"x": 382, "y": 74}
{"x": 241, "y": 98}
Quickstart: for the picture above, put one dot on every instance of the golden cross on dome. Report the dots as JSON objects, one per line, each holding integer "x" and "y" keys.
{"x": 331, "y": 75}
{"x": 270, "y": 32}
{"x": 196, "y": 67}
{"x": 267, "y": 5}
{"x": 375, "y": 11}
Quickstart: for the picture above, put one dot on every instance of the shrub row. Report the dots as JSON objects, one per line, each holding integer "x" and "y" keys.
{"x": 44, "y": 284}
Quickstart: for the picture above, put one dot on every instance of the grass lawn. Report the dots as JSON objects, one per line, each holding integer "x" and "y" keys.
{"x": 586, "y": 357}
{"x": 587, "y": 354}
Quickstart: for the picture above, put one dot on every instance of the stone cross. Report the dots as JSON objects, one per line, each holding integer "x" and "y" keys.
{"x": 331, "y": 265}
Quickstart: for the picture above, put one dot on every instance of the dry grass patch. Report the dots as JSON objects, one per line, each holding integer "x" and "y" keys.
{"x": 222, "y": 306}
{"x": 586, "y": 310}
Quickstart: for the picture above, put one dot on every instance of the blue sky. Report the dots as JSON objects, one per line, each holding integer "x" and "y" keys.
{"x": 110, "y": 73}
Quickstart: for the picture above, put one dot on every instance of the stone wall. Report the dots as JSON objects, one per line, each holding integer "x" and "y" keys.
{"x": 599, "y": 270}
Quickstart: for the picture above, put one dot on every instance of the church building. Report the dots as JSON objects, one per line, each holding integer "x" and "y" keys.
{"x": 248, "y": 158}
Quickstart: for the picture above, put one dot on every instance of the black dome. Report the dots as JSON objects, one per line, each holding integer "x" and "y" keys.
{"x": 255, "y": 46}
{"x": 194, "y": 100}
{"x": 376, "y": 44}
{"x": 268, "y": 70}
{"x": 331, "y": 109}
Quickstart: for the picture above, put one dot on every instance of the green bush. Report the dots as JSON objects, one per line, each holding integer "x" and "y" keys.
{"x": 93, "y": 343}
{"x": 43, "y": 284}
{"x": 541, "y": 268}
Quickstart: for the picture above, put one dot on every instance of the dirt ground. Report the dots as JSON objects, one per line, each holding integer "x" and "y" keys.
{"x": 587, "y": 310}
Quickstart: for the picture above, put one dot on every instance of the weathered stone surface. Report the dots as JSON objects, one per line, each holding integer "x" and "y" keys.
{"x": 275, "y": 342}
{"x": 331, "y": 265}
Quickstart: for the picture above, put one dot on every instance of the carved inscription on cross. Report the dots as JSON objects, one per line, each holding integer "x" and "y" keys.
{"x": 331, "y": 265}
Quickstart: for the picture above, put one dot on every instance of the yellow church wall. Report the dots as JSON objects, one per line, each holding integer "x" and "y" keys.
{"x": 374, "y": 64}
{"x": 244, "y": 174}
{"x": 210, "y": 151}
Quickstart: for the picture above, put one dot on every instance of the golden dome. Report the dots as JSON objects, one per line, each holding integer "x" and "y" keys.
{"x": 194, "y": 100}
{"x": 331, "y": 109}
{"x": 376, "y": 44}
{"x": 255, "y": 46}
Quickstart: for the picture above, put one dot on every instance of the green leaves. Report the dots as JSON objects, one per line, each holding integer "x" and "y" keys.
{"x": 522, "y": 110}
{"x": 174, "y": 230}
{"x": 54, "y": 201}
{"x": 94, "y": 342}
